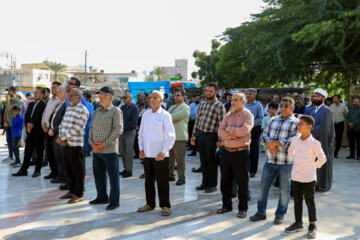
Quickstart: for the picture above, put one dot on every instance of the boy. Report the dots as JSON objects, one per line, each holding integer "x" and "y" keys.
{"x": 304, "y": 150}
{"x": 272, "y": 108}
{"x": 17, "y": 126}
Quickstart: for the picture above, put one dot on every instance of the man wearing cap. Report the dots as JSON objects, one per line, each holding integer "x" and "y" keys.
{"x": 324, "y": 132}
{"x": 105, "y": 129}
{"x": 11, "y": 101}
{"x": 156, "y": 138}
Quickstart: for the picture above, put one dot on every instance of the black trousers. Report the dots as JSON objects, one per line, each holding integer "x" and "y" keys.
{"x": 254, "y": 149}
{"x": 34, "y": 141}
{"x": 136, "y": 145}
{"x": 191, "y": 124}
{"x": 207, "y": 148}
{"x": 354, "y": 137}
{"x": 339, "y": 132}
{"x": 159, "y": 171}
{"x": 74, "y": 165}
{"x": 234, "y": 165}
{"x": 49, "y": 150}
{"x": 307, "y": 191}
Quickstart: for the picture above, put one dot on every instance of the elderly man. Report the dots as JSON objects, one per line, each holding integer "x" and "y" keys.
{"x": 35, "y": 134}
{"x": 277, "y": 136}
{"x": 353, "y": 123}
{"x": 53, "y": 133}
{"x": 156, "y": 138}
{"x": 210, "y": 114}
{"x": 106, "y": 127}
{"x": 71, "y": 137}
{"x": 324, "y": 132}
{"x": 130, "y": 118}
{"x": 51, "y": 104}
{"x": 257, "y": 111}
{"x": 180, "y": 113}
{"x": 339, "y": 111}
{"x": 235, "y": 130}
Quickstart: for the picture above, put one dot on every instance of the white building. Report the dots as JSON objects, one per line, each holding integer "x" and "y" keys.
{"x": 181, "y": 66}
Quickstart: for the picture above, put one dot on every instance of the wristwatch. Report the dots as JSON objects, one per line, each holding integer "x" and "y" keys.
{"x": 162, "y": 154}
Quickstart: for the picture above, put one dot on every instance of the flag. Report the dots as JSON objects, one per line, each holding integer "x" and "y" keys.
{"x": 175, "y": 82}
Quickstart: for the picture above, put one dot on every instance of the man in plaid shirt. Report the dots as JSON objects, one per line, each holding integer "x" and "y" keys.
{"x": 71, "y": 137}
{"x": 209, "y": 116}
{"x": 277, "y": 138}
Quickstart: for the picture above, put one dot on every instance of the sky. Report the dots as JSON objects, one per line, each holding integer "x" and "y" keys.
{"x": 119, "y": 35}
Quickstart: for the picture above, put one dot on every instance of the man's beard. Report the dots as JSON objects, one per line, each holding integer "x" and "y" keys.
{"x": 318, "y": 102}
{"x": 197, "y": 102}
{"x": 210, "y": 98}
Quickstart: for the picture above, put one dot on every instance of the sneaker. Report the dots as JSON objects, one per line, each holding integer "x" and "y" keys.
{"x": 312, "y": 231}
{"x": 278, "y": 220}
{"x": 295, "y": 227}
{"x": 257, "y": 217}
{"x": 7, "y": 160}
{"x": 15, "y": 164}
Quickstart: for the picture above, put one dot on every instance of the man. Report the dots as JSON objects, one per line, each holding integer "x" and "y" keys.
{"x": 180, "y": 113}
{"x": 132, "y": 100}
{"x": 87, "y": 147}
{"x": 11, "y": 101}
{"x": 275, "y": 98}
{"x": 105, "y": 129}
{"x": 312, "y": 98}
{"x": 193, "y": 111}
{"x": 208, "y": 119}
{"x": 324, "y": 132}
{"x": 53, "y": 133}
{"x": 140, "y": 98}
{"x": 46, "y": 95}
{"x": 224, "y": 99}
{"x": 339, "y": 111}
{"x": 71, "y": 138}
{"x": 140, "y": 103}
{"x": 51, "y": 104}
{"x": 156, "y": 138}
{"x": 257, "y": 111}
{"x": 130, "y": 118}
{"x": 228, "y": 103}
{"x": 277, "y": 137}
{"x": 299, "y": 105}
{"x": 235, "y": 130}
{"x": 306, "y": 102}
{"x": 35, "y": 134}
{"x": 353, "y": 123}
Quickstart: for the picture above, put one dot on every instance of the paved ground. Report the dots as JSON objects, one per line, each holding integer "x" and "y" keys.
{"x": 30, "y": 209}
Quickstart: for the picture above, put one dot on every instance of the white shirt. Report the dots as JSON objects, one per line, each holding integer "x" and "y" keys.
{"x": 317, "y": 108}
{"x": 157, "y": 133}
{"x": 304, "y": 152}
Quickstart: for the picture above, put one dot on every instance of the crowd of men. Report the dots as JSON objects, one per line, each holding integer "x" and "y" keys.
{"x": 158, "y": 128}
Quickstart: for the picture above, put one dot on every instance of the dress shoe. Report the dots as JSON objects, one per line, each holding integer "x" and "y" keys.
{"x": 200, "y": 188}
{"x": 350, "y": 157}
{"x": 50, "y": 176}
{"x": 180, "y": 182}
{"x": 67, "y": 195}
{"x": 57, "y": 180}
{"x": 126, "y": 174}
{"x": 98, "y": 201}
{"x": 36, "y": 174}
{"x": 76, "y": 199}
{"x": 210, "y": 189}
{"x": 44, "y": 164}
{"x": 142, "y": 175}
{"x": 112, "y": 206}
{"x": 196, "y": 170}
{"x": 121, "y": 173}
{"x": 192, "y": 154}
{"x": 20, "y": 173}
{"x": 171, "y": 179}
{"x": 336, "y": 156}
{"x": 257, "y": 217}
{"x": 64, "y": 186}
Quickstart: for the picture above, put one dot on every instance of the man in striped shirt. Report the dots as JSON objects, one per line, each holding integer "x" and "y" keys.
{"x": 277, "y": 137}
{"x": 71, "y": 137}
{"x": 209, "y": 116}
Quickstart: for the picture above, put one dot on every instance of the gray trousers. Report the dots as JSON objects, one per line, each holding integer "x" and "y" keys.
{"x": 178, "y": 153}
{"x": 59, "y": 158}
{"x": 126, "y": 144}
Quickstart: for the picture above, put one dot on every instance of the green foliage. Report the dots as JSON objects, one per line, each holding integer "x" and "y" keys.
{"x": 58, "y": 70}
{"x": 161, "y": 74}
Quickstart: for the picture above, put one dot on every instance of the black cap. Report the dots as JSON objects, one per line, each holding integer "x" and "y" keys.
{"x": 11, "y": 89}
{"x": 107, "y": 89}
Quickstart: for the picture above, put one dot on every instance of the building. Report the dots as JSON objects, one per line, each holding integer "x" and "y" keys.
{"x": 181, "y": 66}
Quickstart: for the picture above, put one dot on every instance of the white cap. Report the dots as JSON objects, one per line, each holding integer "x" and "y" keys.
{"x": 321, "y": 92}
{"x": 20, "y": 94}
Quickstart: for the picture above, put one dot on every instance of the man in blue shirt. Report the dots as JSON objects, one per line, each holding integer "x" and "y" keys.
{"x": 87, "y": 147}
{"x": 257, "y": 111}
{"x": 193, "y": 111}
{"x": 127, "y": 138}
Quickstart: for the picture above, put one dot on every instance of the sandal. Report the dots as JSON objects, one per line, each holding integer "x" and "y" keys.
{"x": 223, "y": 210}
{"x": 241, "y": 214}
{"x": 165, "y": 211}
{"x": 145, "y": 208}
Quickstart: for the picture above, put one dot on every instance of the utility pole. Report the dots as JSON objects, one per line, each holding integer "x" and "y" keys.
{"x": 85, "y": 66}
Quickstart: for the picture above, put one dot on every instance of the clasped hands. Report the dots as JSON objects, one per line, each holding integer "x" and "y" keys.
{"x": 61, "y": 142}
{"x": 159, "y": 157}
{"x": 97, "y": 147}
{"x": 272, "y": 146}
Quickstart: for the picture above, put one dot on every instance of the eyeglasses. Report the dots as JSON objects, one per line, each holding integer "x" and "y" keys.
{"x": 70, "y": 83}
{"x": 124, "y": 97}
{"x": 72, "y": 95}
{"x": 285, "y": 106}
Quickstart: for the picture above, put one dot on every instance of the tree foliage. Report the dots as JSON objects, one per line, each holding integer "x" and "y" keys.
{"x": 58, "y": 70}
{"x": 161, "y": 73}
{"x": 308, "y": 41}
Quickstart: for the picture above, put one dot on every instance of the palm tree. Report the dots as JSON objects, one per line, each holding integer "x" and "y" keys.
{"x": 161, "y": 73}
{"x": 58, "y": 70}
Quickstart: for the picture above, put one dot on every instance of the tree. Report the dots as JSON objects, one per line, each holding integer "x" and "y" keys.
{"x": 161, "y": 73}
{"x": 58, "y": 70}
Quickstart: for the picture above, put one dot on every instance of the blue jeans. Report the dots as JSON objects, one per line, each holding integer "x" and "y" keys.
{"x": 15, "y": 146}
{"x": 270, "y": 171}
{"x": 9, "y": 140}
{"x": 102, "y": 164}
{"x": 87, "y": 147}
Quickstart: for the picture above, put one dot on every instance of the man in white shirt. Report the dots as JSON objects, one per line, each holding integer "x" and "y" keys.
{"x": 156, "y": 138}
